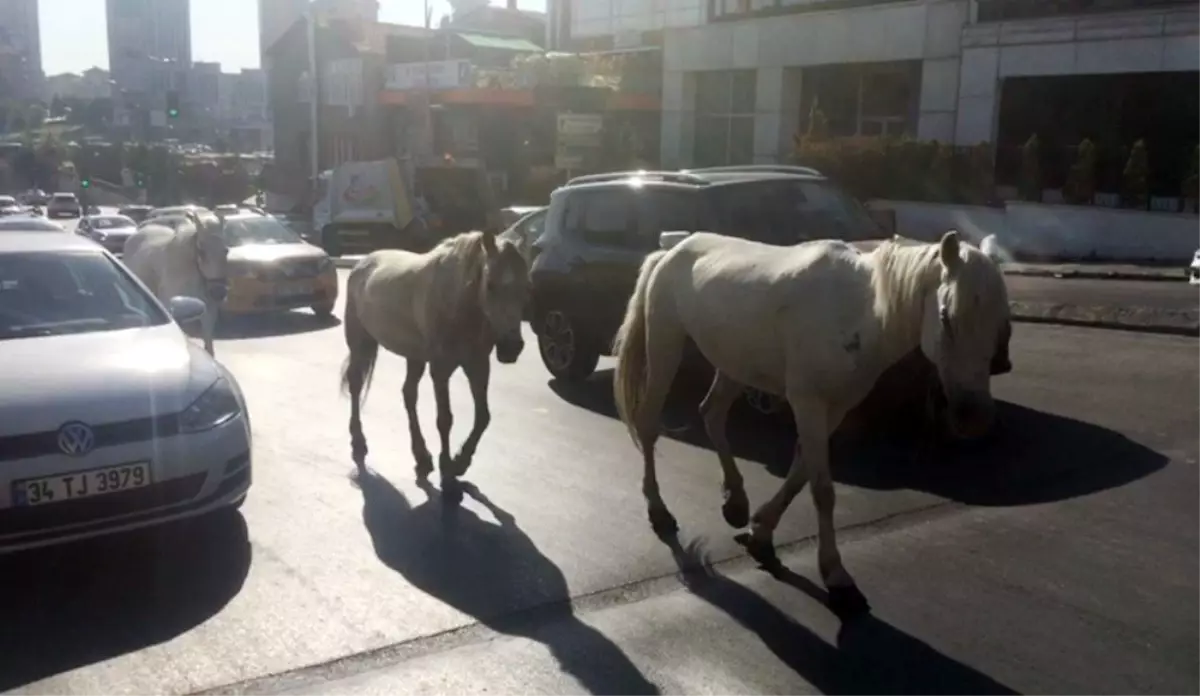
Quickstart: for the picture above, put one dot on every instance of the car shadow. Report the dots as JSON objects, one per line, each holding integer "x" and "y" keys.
{"x": 78, "y": 604}
{"x": 233, "y": 328}
{"x": 1030, "y": 457}
{"x": 492, "y": 572}
{"x": 870, "y": 655}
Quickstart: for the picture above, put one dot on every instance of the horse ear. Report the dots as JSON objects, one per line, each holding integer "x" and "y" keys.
{"x": 949, "y": 250}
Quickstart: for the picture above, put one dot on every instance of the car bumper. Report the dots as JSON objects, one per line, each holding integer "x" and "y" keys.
{"x": 252, "y": 296}
{"x": 192, "y": 475}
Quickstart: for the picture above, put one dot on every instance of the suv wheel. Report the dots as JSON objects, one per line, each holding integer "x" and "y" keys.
{"x": 563, "y": 353}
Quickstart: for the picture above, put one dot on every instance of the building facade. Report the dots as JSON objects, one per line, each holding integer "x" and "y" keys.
{"x": 20, "y": 49}
{"x": 94, "y": 83}
{"x": 741, "y": 77}
{"x": 149, "y": 48}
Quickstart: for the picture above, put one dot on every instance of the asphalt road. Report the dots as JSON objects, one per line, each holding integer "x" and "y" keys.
{"x": 1062, "y": 559}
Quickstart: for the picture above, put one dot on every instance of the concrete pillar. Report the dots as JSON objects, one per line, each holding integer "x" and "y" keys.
{"x": 678, "y": 125}
{"x": 776, "y": 113}
{"x": 978, "y": 95}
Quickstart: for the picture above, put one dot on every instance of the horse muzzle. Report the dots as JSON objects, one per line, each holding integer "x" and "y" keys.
{"x": 217, "y": 290}
{"x": 509, "y": 349}
{"x": 971, "y": 416}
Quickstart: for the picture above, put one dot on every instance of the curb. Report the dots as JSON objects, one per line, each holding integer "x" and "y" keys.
{"x": 1138, "y": 319}
{"x": 1096, "y": 275}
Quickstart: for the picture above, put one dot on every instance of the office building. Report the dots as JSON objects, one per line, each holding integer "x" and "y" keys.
{"x": 20, "y": 49}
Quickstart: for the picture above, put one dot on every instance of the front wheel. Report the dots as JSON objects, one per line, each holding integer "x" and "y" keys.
{"x": 564, "y": 354}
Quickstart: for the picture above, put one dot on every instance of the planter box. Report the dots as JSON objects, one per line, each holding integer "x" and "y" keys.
{"x": 1062, "y": 233}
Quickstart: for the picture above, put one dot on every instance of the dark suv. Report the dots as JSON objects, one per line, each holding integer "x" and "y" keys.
{"x": 599, "y": 228}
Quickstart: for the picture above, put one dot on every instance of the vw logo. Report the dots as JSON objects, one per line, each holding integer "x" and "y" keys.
{"x": 76, "y": 439}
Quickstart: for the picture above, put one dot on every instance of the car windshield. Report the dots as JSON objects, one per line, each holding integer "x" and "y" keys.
{"x": 53, "y": 293}
{"x": 258, "y": 230}
{"x": 109, "y": 222}
{"x": 29, "y": 225}
{"x": 64, "y": 197}
{"x": 850, "y": 216}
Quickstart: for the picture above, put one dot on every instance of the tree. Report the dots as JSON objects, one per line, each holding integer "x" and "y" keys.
{"x": 1191, "y": 180}
{"x": 1081, "y": 180}
{"x": 1136, "y": 176}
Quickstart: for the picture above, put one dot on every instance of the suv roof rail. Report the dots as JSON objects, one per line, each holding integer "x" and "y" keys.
{"x": 676, "y": 177}
{"x": 777, "y": 168}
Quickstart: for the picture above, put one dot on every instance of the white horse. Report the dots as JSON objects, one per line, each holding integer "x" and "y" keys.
{"x": 817, "y": 323}
{"x": 187, "y": 258}
{"x": 447, "y": 308}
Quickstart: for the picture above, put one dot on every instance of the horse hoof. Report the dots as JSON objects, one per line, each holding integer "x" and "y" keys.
{"x": 358, "y": 452}
{"x": 736, "y": 509}
{"x": 663, "y": 521}
{"x": 848, "y": 602}
{"x": 760, "y": 550}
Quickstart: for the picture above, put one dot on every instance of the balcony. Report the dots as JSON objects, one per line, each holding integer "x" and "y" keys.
{"x": 1009, "y": 10}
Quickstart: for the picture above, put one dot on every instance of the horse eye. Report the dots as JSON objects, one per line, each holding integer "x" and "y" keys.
{"x": 944, "y": 314}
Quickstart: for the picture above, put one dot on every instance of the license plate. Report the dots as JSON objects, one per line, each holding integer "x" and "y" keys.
{"x": 293, "y": 288}
{"x": 81, "y": 484}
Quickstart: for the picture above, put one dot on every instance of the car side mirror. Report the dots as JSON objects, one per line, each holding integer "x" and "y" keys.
{"x": 668, "y": 240}
{"x": 186, "y": 310}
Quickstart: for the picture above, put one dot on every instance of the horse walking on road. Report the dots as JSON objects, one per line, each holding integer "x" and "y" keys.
{"x": 445, "y": 309}
{"x": 817, "y": 323}
{"x": 187, "y": 255}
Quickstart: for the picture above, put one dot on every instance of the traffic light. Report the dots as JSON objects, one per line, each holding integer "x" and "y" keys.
{"x": 85, "y": 182}
{"x": 172, "y": 104}
{"x": 141, "y": 181}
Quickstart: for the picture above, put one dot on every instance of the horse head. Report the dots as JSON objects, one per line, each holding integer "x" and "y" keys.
{"x": 212, "y": 253}
{"x": 965, "y": 330}
{"x": 503, "y": 293}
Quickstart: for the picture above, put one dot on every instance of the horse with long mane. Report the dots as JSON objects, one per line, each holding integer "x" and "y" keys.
{"x": 817, "y": 323}
{"x": 185, "y": 255}
{"x": 445, "y": 309}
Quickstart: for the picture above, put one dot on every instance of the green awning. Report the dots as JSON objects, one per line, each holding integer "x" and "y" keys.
{"x": 503, "y": 43}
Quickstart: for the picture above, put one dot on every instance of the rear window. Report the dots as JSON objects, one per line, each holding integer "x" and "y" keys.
{"x": 787, "y": 212}
{"x": 672, "y": 210}
{"x": 64, "y": 197}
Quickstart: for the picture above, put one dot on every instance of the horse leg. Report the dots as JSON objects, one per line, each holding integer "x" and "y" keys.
{"x": 715, "y": 411}
{"x": 811, "y": 464}
{"x": 355, "y": 379}
{"x": 412, "y": 384}
{"x": 478, "y": 373}
{"x": 662, "y": 362}
{"x": 445, "y": 419}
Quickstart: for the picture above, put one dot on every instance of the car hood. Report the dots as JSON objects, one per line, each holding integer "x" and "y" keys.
{"x": 100, "y": 377}
{"x": 271, "y": 253}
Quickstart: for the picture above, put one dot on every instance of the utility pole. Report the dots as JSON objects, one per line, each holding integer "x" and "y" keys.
{"x": 427, "y": 150}
{"x": 315, "y": 100}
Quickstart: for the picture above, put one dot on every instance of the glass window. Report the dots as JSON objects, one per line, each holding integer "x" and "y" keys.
{"x": 603, "y": 217}
{"x": 711, "y": 144}
{"x": 743, "y": 90}
{"x": 741, "y": 140}
{"x": 835, "y": 213}
{"x": 258, "y": 230}
{"x": 110, "y": 222}
{"x": 713, "y": 92}
{"x": 669, "y": 210}
{"x": 46, "y": 294}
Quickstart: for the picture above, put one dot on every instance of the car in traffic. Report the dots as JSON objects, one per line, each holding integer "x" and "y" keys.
{"x": 111, "y": 419}
{"x": 63, "y": 204}
{"x": 525, "y": 230}
{"x": 34, "y": 196}
{"x": 10, "y": 206}
{"x": 137, "y": 213}
{"x": 29, "y": 223}
{"x": 271, "y": 269}
{"x": 109, "y": 231}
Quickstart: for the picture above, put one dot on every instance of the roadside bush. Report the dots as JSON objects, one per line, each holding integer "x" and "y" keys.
{"x": 1030, "y": 185}
{"x": 1190, "y": 190}
{"x": 1136, "y": 176}
{"x": 1081, "y": 180}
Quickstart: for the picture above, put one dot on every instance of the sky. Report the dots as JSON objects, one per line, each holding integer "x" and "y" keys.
{"x": 225, "y": 31}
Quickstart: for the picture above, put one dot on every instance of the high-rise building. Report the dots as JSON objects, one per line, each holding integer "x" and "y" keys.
{"x": 20, "y": 49}
{"x": 149, "y": 45}
{"x": 275, "y": 17}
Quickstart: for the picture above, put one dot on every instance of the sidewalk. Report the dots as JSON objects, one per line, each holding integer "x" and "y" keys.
{"x": 1099, "y": 271}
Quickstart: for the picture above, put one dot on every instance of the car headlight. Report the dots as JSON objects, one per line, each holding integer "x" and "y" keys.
{"x": 219, "y": 404}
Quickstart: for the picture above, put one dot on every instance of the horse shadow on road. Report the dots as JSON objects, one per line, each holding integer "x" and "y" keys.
{"x": 273, "y": 324}
{"x": 870, "y": 656}
{"x": 494, "y": 573}
{"x": 78, "y": 604}
{"x": 1031, "y": 457}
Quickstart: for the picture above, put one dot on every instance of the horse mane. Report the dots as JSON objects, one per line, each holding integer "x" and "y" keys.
{"x": 901, "y": 276}
{"x": 467, "y": 251}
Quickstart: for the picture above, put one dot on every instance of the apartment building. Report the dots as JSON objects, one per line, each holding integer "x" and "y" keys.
{"x": 20, "y": 49}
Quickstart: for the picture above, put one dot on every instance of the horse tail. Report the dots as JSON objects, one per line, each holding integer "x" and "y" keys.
{"x": 629, "y": 380}
{"x": 359, "y": 366}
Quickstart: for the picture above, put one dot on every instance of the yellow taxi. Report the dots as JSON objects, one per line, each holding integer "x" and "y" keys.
{"x": 271, "y": 269}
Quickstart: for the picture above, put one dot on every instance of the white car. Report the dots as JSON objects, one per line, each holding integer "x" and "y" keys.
{"x": 111, "y": 419}
{"x": 1194, "y": 269}
{"x": 63, "y": 204}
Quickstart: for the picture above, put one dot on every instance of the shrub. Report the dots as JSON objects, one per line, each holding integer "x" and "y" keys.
{"x": 1190, "y": 189}
{"x": 982, "y": 174}
{"x": 1030, "y": 186}
{"x": 1081, "y": 180}
{"x": 1136, "y": 176}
